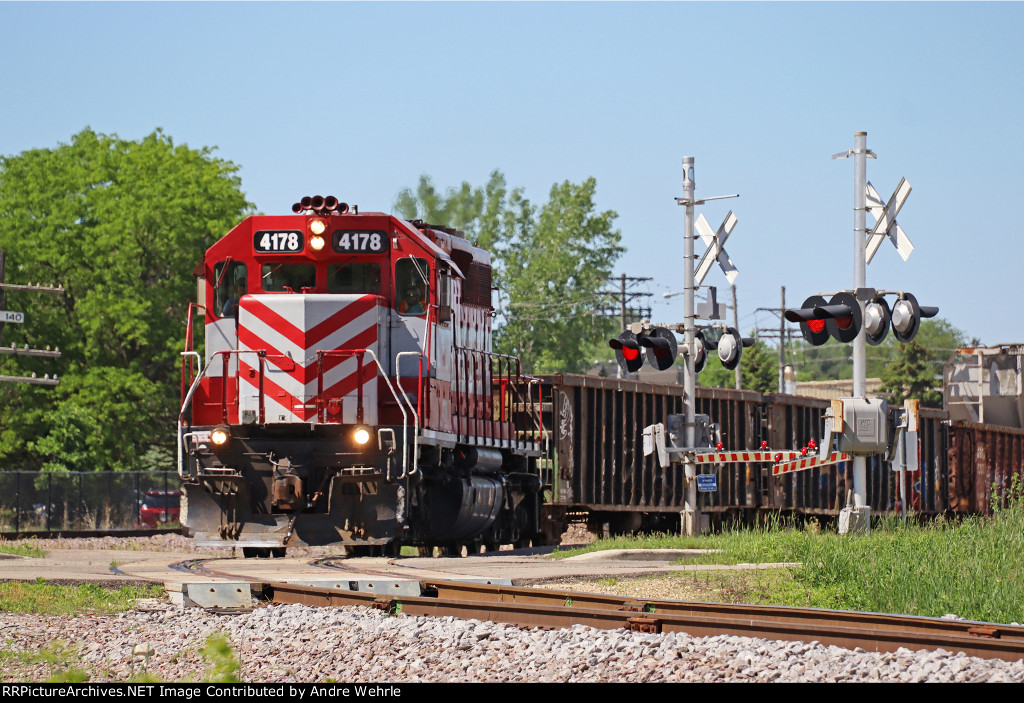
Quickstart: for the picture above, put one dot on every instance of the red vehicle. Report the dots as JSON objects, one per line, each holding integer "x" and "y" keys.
{"x": 159, "y": 506}
{"x": 348, "y": 392}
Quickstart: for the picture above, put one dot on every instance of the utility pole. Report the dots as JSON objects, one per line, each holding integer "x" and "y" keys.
{"x": 783, "y": 335}
{"x": 625, "y": 296}
{"x": 10, "y": 316}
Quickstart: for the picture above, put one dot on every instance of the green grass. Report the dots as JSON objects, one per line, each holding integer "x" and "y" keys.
{"x": 973, "y": 568}
{"x": 43, "y": 598}
{"x": 22, "y": 549}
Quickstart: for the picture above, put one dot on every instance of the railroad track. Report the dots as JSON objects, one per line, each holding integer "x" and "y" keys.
{"x": 544, "y": 608}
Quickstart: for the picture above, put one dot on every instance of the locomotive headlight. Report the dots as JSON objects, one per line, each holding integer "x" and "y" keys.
{"x": 220, "y": 436}
{"x": 361, "y": 436}
{"x": 317, "y": 227}
{"x": 317, "y": 242}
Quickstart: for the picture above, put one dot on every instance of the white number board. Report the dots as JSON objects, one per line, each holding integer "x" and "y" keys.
{"x": 9, "y": 316}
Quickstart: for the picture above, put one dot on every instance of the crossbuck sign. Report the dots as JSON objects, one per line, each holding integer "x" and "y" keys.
{"x": 715, "y": 242}
{"x": 885, "y": 221}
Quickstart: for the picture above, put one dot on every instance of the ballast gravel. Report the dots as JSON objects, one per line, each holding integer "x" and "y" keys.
{"x": 295, "y": 643}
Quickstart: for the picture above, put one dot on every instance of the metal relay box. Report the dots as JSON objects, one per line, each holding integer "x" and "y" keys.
{"x": 865, "y": 426}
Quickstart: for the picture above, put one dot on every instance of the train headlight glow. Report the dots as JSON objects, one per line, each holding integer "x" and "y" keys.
{"x": 317, "y": 242}
{"x": 220, "y": 436}
{"x": 317, "y": 226}
{"x": 361, "y": 436}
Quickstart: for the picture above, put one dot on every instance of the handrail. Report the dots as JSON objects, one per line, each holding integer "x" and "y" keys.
{"x": 184, "y": 406}
{"x": 502, "y": 427}
{"x": 189, "y": 342}
{"x": 415, "y": 412}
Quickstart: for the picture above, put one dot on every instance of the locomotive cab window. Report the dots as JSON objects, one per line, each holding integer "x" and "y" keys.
{"x": 288, "y": 278}
{"x": 354, "y": 277}
{"x": 411, "y": 288}
{"x": 230, "y": 281}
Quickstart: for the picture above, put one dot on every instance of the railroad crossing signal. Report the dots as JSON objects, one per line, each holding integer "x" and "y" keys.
{"x": 885, "y": 221}
{"x": 661, "y": 347}
{"x": 730, "y": 347}
{"x": 715, "y": 242}
{"x": 906, "y": 317}
{"x": 841, "y": 317}
{"x": 701, "y": 357}
{"x": 658, "y": 344}
{"x": 627, "y": 352}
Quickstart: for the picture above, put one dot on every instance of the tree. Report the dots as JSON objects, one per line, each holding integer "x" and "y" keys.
{"x": 120, "y": 224}
{"x": 915, "y": 369}
{"x": 912, "y": 376}
{"x": 549, "y": 264}
{"x": 759, "y": 368}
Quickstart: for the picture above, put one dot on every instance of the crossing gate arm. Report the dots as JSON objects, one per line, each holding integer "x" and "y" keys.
{"x": 810, "y": 462}
{"x": 743, "y": 457}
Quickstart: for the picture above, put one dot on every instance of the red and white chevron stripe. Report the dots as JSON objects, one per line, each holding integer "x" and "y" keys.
{"x": 742, "y": 457}
{"x": 291, "y": 329}
{"x": 808, "y": 463}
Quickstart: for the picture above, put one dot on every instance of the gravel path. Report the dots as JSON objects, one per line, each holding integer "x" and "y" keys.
{"x": 294, "y": 643}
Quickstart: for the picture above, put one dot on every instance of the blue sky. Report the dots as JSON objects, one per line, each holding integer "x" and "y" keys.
{"x": 358, "y": 100}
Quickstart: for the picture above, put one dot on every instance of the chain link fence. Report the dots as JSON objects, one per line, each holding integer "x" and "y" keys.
{"x": 88, "y": 500}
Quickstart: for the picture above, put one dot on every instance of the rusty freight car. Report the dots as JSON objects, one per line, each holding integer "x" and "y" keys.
{"x": 596, "y": 470}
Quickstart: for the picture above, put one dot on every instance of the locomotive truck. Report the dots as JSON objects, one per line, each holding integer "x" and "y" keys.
{"x": 347, "y": 391}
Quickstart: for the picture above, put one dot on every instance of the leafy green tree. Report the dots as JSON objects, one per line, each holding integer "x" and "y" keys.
{"x": 120, "y": 224}
{"x": 550, "y": 264}
{"x": 759, "y": 368}
{"x": 915, "y": 369}
{"x": 911, "y": 375}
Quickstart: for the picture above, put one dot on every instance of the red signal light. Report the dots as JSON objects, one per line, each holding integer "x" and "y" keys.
{"x": 661, "y": 347}
{"x": 627, "y": 352}
{"x": 811, "y": 320}
{"x": 718, "y": 446}
{"x": 764, "y": 444}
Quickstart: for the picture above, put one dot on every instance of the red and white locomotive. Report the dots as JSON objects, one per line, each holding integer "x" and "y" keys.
{"x": 347, "y": 392}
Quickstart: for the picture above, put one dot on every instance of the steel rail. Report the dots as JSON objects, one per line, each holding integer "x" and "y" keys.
{"x": 528, "y": 607}
{"x": 554, "y": 609}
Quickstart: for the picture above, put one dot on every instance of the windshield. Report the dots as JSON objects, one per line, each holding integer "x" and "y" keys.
{"x": 287, "y": 278}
